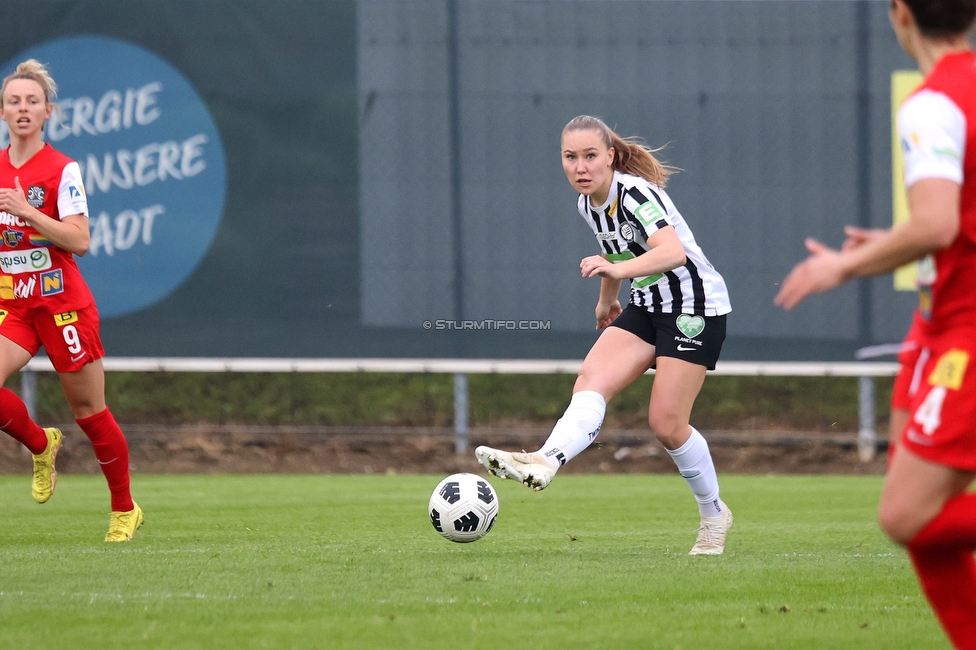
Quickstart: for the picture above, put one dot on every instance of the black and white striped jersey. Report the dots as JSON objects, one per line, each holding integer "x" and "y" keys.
{"x": 634, "y": 209}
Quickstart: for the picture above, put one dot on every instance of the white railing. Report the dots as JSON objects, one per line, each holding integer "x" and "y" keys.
{"x": 866, "y": 371}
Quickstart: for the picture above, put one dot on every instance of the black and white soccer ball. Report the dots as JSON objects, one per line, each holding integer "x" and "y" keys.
{"x": 463, "y": 507}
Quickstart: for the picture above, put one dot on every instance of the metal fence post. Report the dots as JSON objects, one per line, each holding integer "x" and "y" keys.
{"x": 460, "y": 412}
{"x": 867, "y": 438}
{"x": 28, "y": 391}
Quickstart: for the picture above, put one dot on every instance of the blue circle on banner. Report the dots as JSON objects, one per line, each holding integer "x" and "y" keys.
{"x": 151, "y": 159}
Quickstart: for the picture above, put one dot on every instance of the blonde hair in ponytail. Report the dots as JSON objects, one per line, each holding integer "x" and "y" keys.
{"x": 631, "y": 155}
{"x": 34, "y": 70}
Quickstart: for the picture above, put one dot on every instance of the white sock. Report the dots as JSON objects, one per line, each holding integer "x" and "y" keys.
{"x": 576, "y": 429}
{"x": 695, "y": 465}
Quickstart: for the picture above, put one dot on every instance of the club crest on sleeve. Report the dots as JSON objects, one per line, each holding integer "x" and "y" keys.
{"x": 35, "y": 196}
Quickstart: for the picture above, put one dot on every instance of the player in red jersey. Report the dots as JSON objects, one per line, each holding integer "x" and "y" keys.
{"x": 43, "y": 298}
{"x": 925, "y": 504}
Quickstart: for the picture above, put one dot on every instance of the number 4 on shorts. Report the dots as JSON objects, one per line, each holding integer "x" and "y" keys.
{"x": 929, "y": 413}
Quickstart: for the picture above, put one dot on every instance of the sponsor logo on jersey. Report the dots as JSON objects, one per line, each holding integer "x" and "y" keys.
{"x": 52, "y": 283}
{"x": 945, "y": 152}
{"x": 12, "y": 238}
{"x": 35, "y": 196}
{"x": 66, "y": 318}
{"x": 925, "y": 302}
{"x": 7, "y": 287}
{"x": 950, "y": 369}
{"x": 26, "y": 261}
{"x": 7, "y": 219}
{"x": 3, "y": 315}
{"x": 605, "y": 236}
{"x": 647, "y": 280}
{"x": 627, "y": 232}
{"x": 910, "y": 143}
{"x": 25, "y": 288}
{"x": 76, "y": 191}
{"x": 649, "y": 213}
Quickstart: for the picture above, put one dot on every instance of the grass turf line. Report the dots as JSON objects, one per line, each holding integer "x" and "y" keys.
{"x": 340, "y": 561}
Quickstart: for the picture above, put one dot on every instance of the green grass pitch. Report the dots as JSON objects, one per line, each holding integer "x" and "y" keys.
{"x": 339, "y": 561}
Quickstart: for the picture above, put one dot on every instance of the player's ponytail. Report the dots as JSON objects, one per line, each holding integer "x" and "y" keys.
{"x": 631, "y": 155}
{"x": 34, "y": 70}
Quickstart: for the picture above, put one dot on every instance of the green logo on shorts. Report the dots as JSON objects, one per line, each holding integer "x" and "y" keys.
{"x": 690, "y": 326}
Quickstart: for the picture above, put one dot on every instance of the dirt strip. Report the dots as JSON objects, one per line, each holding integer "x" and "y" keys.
{"x": 223, "y": 449}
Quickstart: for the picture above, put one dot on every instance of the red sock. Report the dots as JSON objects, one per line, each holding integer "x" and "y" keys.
{"x": 112, "y": 453}
{"x": 948, "y": 578}
{"x": 17, "y": 423}
{"x": 942, "y": 553}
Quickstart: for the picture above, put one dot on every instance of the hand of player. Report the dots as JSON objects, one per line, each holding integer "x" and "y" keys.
{"x": 857, "y": 237}
{"x": 822, "y": 271}
{"x": 597, "y": 265}
{"x": 14, "y": 201}
{"x": 606, "y": 313}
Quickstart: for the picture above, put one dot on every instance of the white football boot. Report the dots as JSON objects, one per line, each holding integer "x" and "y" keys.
{"x": 712, "y": 532}
{"x": 529, "y": 469}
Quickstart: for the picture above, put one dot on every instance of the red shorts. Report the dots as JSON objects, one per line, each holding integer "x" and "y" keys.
{"x": 906, "y": 377}
{"x": 942, "y": 422}
{"x": 71, "y": 340}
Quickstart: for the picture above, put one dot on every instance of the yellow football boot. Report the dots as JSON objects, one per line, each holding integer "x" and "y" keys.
{"x": 45, "y": 477}
{"x": 122, "y": 527}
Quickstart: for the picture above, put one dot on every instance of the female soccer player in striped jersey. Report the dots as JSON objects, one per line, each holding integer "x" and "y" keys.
{"x": 675, "y": 320}
{"x": 925, "y": 502}
{"x": 43, "y": 298}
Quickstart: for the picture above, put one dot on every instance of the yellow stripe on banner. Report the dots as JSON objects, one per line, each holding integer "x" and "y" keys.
{"x": 903, "y": 82}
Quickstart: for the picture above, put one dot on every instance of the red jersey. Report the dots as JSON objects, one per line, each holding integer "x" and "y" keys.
{"x": 34, "y": 273}
{"x": 937, "y": 126}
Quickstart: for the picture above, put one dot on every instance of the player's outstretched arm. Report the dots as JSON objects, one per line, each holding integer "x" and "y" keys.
{"x": 934, "y": 223}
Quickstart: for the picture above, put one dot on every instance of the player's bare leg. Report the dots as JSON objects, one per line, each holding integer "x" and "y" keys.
{"x": 616, "y": 359}
{"x": 17, "y": 423}
{"x": 915, "y": 491}
{"x": 676, "y": 386}
{"x": 925, "y": 506}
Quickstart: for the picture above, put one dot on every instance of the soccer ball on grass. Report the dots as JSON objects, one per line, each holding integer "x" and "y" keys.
{"x": 463, "y": 507}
